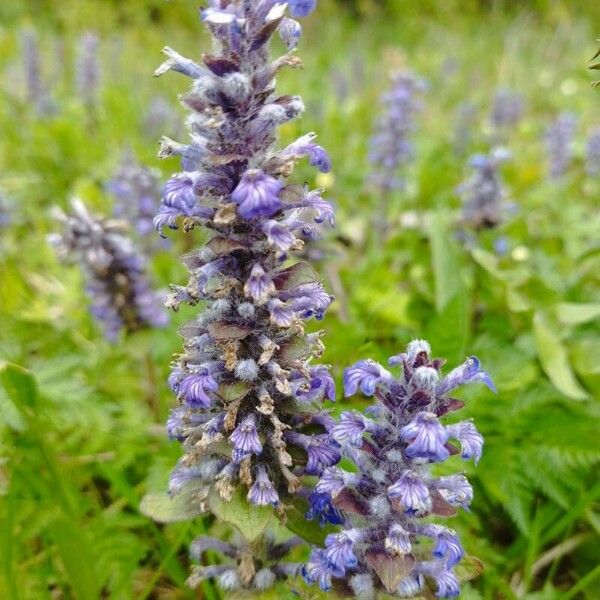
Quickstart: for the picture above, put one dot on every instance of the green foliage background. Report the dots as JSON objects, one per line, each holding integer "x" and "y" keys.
{"x": 81, "y": 421}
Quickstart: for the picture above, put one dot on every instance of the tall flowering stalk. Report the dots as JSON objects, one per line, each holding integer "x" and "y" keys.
{"x": 116, "y": 280}
{"x": 592, "y": 154}
{"x": 559, "y": 144}
{"x": 87, "y": 69}
{"x": 465, "y": 117}
{"x": 389, "y": 542}
{"x": 484, "y": 195}
{"x": 36, "y": 91}
{"x": 137, "y": 191}
{"x": 249, "y": 396}
{"x": 507, "y": 109}
{"x": 391, "y": 147}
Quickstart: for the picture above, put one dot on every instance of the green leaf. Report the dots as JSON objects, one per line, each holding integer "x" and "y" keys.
{"x": 297, "y": 523}
{"x": 19, "y": 385}
{"x": 249, "y": 519}
{"x": 234, "y": 391}
{"x": 468, "y": 568}
{"x": 163, "y": 508}
{"x": 448, "y": 330}
{"x": 77, "y": 558}
{"x": 553, "y": 358}
{"x": 571, "y": 313}
{"x": 448, "y": 281}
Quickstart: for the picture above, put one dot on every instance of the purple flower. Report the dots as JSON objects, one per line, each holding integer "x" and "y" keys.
{"x": 484, "y": 196}
{"x": 446, "y": 581}
{"x": 281, "y": 313}
{"x": 262, "y": 492}
{"x": 333, "y": 480}
{"x": 290, "y": 32}
{"x": 321, "y": 507}
{"x": 350, "y": 428}
{"x": 259, "y": 286}
{"x": 470, "y": 439}
{"x": 559, "y": 144}
{"x": 245, "y": 438}
{"x": 322, "y": 209}
{"x": 339, "y": 549}
{"x": 469, "y": 372}
{"x": 182, "y": 475}
{"x": 390, "y": 500}
{"x": 263, "y": 425}
{"x": 193, "y": 389}
{"x": 447, "y": 545}
{"x": 320, "y": 385}
{"x": 116, "y": 280}
{"x": 322, "y": 453}
{"x": 412, "y": 493}
{"x": 301, "y": 8}
{"x": 508, "y": 108}
{"x": 317, "y": 155}
{"x": 175, "y": 423}
{"x": 279, "y": 235}
{"x": 397, "y": 540}
{"x": 391, "y": 147}
{"x": 456, "y": 490}
{"x": 364, "y": 374}
{"x": 179, "y": 192}
{"x": 427, "y": 437}
{"x": 319, "y": 569}
{"x": 410, "y": 586}
{"x": 308, "y": 300}
{"x": 592, "y": 154}
{"x": 257, "y": 195}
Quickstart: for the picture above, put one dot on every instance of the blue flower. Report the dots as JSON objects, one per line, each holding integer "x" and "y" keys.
{"x": 333, "y": 480}
{"x": 193, "y": 389}
{"x": 301, "y": 8}
{"x": 456, "y": 490}
{"x": 447, "y": 584}
{"x": 364, "y": 374}
{"x": 339, "y": 549}
{"x": 350, "y": 428}
{"x": 397, "y": 540}
{"x": 245, "y": 438}
{"x": 448, "y": 547}
{"x": 257, "y": 195}
{"x": 259, "y": 286}
{"x": 290, "y": 32}
{"x": 411, "y": 493}
{"x": 470, "y": 439}
{"x": 179, "y": 193}
{"x": 321, "y": 507}
{"x": 317, "y": 155}
{"x": 428, "y": 438}
{"x": 262, "y": 492}
{"x": 322, "y": 452}
{"x": 469, "y": 372}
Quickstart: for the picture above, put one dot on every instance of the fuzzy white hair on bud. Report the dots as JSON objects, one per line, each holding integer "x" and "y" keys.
{"x": 363, "y": 587}
{"x": 247, "y": 370}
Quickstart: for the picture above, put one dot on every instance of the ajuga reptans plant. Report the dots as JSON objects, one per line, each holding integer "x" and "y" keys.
{"x": 592, "y": 154}
{"x": 137, "y": 191}
{"x": 391, "y": 147}
{"x": 116, "y": 280}
{"x": 507, "y": 109}
{"x": 87, "y": 69}
{"x": 484, "y": 195}
{"x": 390, "y": 542}
{"x": 249, "y": 396}
{"x": 559, "y": 144}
